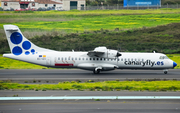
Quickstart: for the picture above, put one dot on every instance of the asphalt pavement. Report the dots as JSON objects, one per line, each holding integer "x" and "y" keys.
{"x": 86, "y": 106}
{"x": 77, "y": 74}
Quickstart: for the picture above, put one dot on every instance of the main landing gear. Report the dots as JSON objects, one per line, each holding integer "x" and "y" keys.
{"x": 165, "y": 71}
{"x": 96, "y": 71}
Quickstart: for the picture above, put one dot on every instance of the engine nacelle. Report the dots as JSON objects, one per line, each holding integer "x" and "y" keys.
{"x": 108, "y": 53}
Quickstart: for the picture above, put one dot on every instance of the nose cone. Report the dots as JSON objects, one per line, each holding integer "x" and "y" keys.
{"x": 174, "y": 64}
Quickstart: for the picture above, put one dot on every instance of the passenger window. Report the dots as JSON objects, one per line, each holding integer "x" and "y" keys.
{"x": 86, "y": 58}
{"x": 82, "y": 58}
{"x": 69, "y": 58}
{"x": 143, "y": 60}
{"x": 93, "y": 58}
{"x": 100, "y": 58}
{"x": 65, "y": 58}
{"x": 79, "y": 58}
{"x": 58, "y": 58}
{"x": 135, "y": 59}
{"x": 75, "y": 58}
{"x": 72, "y": 58}
{"x": 97, "y": 58}
{"x": 89, "y": 58}
{"x": 131, "y": 59}
{"x": 104, "y": 58}
{"x": 121, "y": 59}
{"x": 125, "y": 59}
{"x": 62, "y": 58}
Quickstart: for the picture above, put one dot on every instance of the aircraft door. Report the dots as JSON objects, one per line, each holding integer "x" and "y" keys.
{"x": 48, "y": 61}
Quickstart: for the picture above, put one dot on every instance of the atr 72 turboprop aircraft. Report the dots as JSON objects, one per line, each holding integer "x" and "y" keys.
{"x": 100, "y": 59}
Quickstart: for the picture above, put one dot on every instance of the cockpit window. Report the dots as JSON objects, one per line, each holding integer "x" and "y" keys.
{"x": 163, "y": 57}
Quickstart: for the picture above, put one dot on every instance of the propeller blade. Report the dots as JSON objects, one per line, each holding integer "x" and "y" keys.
{"x": 118, "y": 54}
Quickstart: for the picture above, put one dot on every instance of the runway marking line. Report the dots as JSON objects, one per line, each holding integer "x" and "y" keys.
{"x": 89, "y": 97}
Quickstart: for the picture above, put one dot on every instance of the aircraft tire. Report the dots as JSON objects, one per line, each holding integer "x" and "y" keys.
{"x": 96, "y": 72}
{"x": 165, "y": 72}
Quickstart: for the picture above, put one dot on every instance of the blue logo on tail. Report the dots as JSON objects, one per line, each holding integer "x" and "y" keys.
{"x": 17, "y": 50}
{"x": 16, "y": 38}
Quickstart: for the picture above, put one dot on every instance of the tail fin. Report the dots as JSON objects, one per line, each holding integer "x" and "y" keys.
{"x": 18, "y": 43}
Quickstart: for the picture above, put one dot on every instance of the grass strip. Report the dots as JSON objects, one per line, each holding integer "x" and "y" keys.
{"x": 82, "y": 21}
{"x": 7, "y": 63}
{"x": 78, "y": 24}
{"x": 170, "y": 85}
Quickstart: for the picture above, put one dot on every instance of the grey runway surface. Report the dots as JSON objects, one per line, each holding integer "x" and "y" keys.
{"x": 6, "y": 93}
{"x": 74, "y": 74}
{"x": 91, "y": 106}
{"x": 87, "y": 106}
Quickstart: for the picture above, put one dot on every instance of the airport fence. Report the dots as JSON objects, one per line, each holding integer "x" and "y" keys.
{"x": 109, "y": 7}
{"x": 118, "y": 7}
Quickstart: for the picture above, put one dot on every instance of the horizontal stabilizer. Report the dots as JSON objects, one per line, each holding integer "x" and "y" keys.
{"x": 12, "y": 29}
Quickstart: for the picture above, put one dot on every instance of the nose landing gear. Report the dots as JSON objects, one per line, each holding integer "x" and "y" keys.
{"x": 165, "y": 71}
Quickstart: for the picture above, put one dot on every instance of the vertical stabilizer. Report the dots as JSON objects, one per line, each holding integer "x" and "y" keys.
{"x": 18, "y": 43}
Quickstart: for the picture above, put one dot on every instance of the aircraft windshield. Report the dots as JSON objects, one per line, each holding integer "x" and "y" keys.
{"x": 163, "y": 57}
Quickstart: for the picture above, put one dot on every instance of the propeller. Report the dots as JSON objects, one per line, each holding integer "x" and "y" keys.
{"x": 117, "y": 55}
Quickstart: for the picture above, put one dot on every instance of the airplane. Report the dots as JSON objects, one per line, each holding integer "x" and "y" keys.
{"x": 100, "y": 59}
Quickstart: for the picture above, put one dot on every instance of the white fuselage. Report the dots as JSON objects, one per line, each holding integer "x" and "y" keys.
{"x": 82, "y": 60}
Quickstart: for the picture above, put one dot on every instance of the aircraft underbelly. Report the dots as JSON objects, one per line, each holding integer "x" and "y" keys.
{"x": 92, "y": 66}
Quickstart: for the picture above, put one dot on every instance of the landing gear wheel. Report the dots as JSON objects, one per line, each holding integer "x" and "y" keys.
{"x": 165, "y": 71}
{"x": 96, "y": 72}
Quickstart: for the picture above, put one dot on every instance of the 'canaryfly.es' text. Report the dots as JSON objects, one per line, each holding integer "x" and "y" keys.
{"x": 143, "y": 63}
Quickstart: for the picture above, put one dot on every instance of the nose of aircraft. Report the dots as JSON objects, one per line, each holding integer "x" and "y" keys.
{"x": 174, "y": 64}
